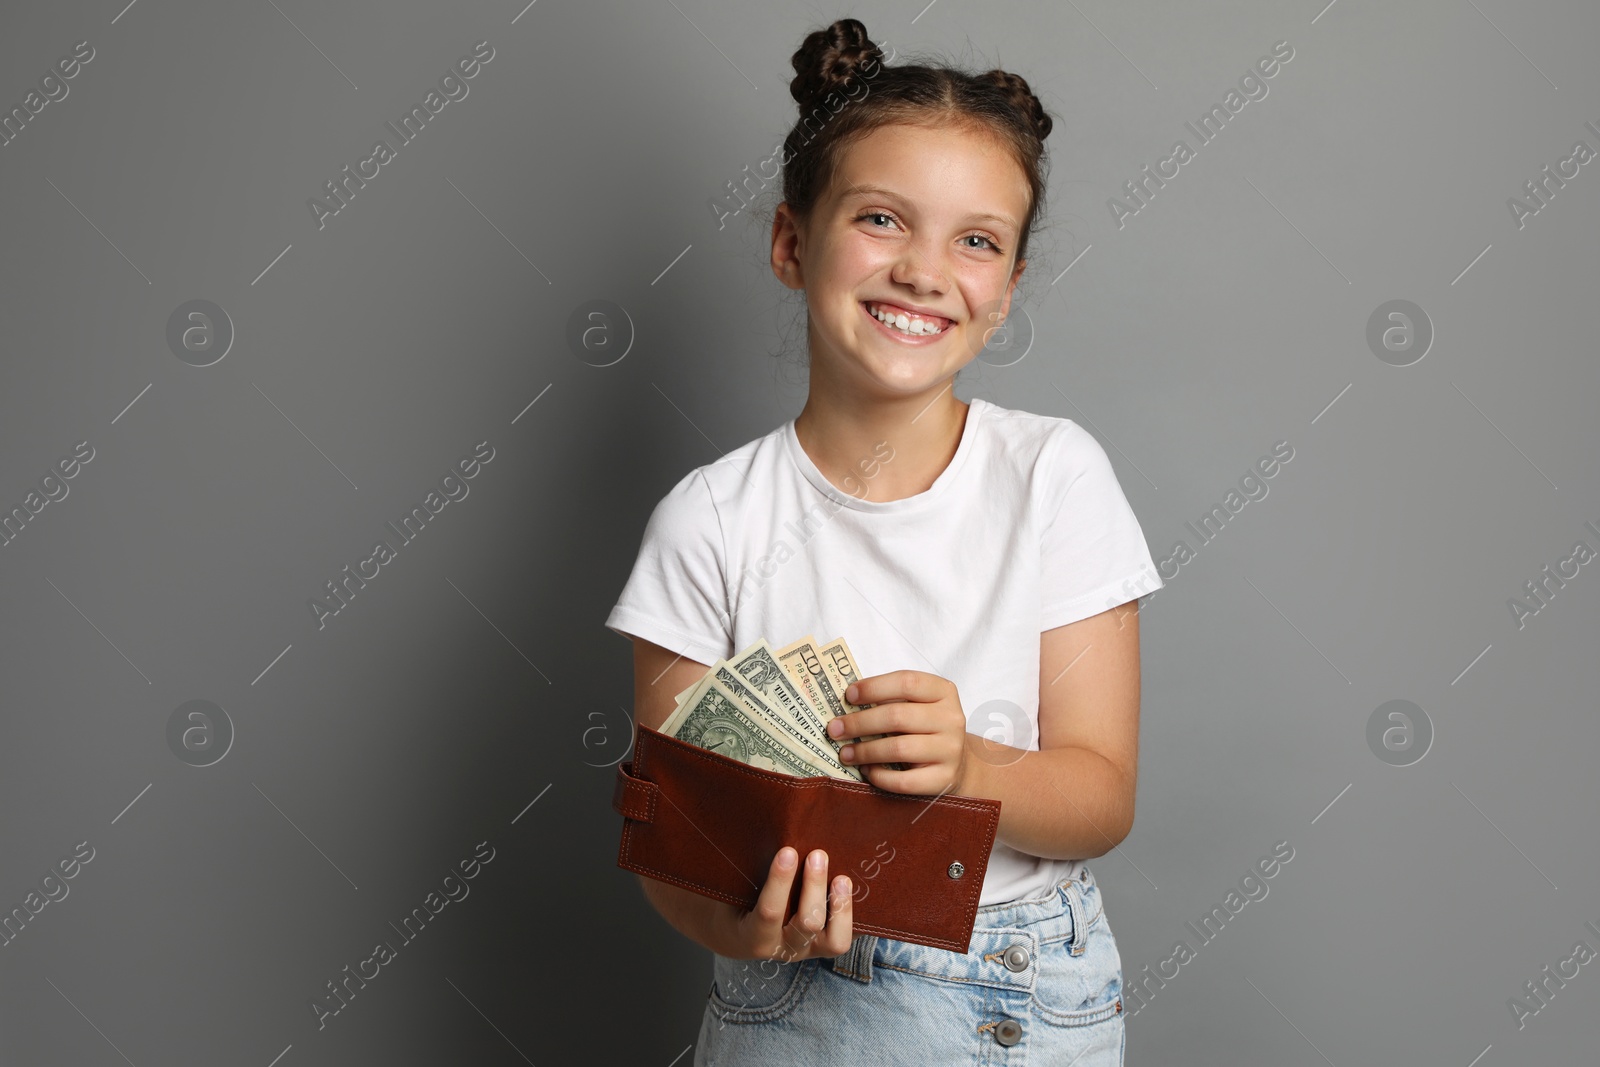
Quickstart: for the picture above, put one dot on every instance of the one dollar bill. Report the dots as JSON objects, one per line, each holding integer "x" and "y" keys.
{"x": 771, "y": 707}
{"x": 717, "y": 721}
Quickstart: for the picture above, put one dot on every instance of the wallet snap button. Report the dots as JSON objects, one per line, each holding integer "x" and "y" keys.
{"x": 956, "y": 870}
{"x": 1009, "y": 1032}
{"x": 1016, "y": 957}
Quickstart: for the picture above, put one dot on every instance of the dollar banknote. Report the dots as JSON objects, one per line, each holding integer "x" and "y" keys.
{"x": 803, "y": 664}
{"x": 716, "y": 720}
{"x": 789, "y": 695}
{"x": 823, "y": 672}
{"x": 819, "y": 750}
{"x": 840, "y": 666}
{"x": 757, "y": 668}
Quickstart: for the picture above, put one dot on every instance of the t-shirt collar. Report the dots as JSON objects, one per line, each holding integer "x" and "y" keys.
{"x": 977, "y": 407}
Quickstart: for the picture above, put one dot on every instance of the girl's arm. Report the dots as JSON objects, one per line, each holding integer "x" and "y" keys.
{"x": 658, "y": 675}
{"x": 697, "y": 917}
{"x": 1074, "y": 798}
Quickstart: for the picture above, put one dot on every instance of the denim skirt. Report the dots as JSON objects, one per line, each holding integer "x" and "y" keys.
{"x": 1041, "y": 983}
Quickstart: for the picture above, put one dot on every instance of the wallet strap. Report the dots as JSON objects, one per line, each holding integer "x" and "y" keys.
{"x": 634, "y": 798}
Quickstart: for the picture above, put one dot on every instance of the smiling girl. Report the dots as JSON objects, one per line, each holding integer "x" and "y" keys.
{"x": 984, "y": 557}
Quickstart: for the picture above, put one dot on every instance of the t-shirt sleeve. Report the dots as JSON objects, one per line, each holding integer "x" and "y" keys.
{"x": 1093, "y": 552}
{"x": 676, "y": 595}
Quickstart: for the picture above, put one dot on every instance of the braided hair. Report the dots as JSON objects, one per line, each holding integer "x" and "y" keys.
{"x": 845, "y": 88}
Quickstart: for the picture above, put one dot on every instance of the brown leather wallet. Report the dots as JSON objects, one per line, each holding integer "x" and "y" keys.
{"x": 711, "y": 824}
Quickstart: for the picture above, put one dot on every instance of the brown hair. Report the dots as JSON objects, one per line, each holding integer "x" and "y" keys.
{"x": 845, "y": 90}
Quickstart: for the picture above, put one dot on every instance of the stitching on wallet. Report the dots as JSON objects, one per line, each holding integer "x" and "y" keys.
{"x": 822, "y": 781}
{"x": 893, "y": 935}
{"x": 632, "y": 810}
{"x": 973, "y": 889}
{"x": 627, "y": 844}
{"x": 866, "y": 928}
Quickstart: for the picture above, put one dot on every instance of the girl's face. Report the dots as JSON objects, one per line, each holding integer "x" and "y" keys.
{"x": 918, "y": 219}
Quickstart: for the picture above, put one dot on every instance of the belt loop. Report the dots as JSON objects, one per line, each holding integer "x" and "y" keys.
{"x": 857, "y": 962}
{"x": 1076, "y": 908}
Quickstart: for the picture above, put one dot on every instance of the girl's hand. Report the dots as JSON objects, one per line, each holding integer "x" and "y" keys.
{"x": 925, "y": 713}
{"x": 761, "y": 933}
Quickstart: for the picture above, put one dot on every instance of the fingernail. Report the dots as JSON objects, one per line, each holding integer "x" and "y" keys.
{"x": 836, "y": 727}
{"x": 786, "y": 857}
{"x": 817, "y": 860}
{"x": 850, "y": 694}
{"x": 847, "y": 753}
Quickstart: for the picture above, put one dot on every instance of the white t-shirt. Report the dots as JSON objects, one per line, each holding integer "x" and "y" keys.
{"x": 1025, "y": 530}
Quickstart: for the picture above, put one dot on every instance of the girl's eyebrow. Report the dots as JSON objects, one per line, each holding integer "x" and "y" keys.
{"x": 889, "y": 194}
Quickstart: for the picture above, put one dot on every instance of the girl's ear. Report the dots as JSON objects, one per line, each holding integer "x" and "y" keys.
{"x": 786, "y": 265}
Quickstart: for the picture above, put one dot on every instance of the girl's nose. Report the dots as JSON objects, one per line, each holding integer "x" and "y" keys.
{"x": 917, "y": 269}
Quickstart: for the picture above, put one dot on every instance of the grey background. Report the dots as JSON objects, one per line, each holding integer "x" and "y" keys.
{"x": 470, "y": 693}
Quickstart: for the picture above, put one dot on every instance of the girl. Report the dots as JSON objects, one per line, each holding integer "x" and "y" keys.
{"x": 981, "y": 555}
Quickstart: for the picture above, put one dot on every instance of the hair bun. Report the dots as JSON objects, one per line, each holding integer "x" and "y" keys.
{"x": 827, "y": 60}
{"x": 1015, "y": 86}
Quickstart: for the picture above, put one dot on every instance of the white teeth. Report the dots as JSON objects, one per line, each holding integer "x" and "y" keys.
{"x": 905, "y": 323}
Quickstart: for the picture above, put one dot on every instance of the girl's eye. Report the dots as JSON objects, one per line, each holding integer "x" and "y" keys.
{"x": 875, "y": 215}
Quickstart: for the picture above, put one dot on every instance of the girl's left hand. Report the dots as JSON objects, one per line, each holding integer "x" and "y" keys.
{"x": 924, "y": 712}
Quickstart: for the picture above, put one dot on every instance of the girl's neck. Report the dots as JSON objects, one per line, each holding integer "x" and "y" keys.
{"x": 842, "y": 436}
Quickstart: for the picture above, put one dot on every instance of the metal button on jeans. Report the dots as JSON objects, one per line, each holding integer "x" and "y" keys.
{"x": 1016, "y": 957}
{"x": 1009, "y": 1032}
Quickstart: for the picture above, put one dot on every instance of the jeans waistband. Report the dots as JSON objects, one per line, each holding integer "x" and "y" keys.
{"x": 988, "y": 942}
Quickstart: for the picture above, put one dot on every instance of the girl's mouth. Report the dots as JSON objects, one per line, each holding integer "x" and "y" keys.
{"x": 916, "y": 329}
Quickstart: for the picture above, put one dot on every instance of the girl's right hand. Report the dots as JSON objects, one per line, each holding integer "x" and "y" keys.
{"x": 760, "y": 933}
